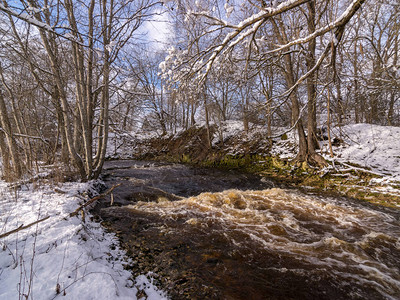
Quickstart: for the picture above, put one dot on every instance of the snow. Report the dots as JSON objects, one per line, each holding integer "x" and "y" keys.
{"x": 228, "y": 9}
{"x": 369, "y": 148}
{"x": 61, "y": 253}
{"x": 33, "y": 9}
{"x": 111, "y": 46}
{"x": 341, "y": 20}
{"x": 373, "y": 146}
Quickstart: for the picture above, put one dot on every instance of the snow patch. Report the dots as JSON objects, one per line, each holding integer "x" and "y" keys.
{"x": 61, "y": 256}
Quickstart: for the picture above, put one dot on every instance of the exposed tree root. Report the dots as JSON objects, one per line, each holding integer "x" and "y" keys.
{"x": 313, "y": 160}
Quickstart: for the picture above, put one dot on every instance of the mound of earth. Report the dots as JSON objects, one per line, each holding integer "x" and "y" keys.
{"x": 192, "y": 145}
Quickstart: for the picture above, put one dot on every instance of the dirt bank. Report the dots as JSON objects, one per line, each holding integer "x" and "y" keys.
{"x": 191, "y": 146}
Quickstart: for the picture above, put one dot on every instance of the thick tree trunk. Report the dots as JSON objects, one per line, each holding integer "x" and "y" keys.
{"x": 329, "y": 122}
{"x": 192, "y": 114}
{"x": 307, "y": 146}
{"x": 391, "y": 109}
{"x": 245, "y": 116}
{"x": 393, "y": 93}
{"x": 312, "y": 143}
{"x": 105, "y": 100}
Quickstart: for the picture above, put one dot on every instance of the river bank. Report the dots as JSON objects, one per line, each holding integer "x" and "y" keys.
{"x": 365, "y": 165}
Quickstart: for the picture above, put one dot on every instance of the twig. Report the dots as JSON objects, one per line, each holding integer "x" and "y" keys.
{"x": 22, "y": 227}
{"x": 81, "y": 278}
{"x": 93, "y": 200}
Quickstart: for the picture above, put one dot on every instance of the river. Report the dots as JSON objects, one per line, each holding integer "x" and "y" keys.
{"x": 211, "y": 234}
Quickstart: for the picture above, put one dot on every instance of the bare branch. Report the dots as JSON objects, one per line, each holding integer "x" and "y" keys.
{"x": 22, "y": 227}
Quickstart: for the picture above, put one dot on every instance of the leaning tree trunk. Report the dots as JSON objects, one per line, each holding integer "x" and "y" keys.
{"x": 76, "y": 158}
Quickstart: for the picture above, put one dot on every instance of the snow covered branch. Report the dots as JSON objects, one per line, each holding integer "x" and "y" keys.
{"x": 340, "y": 22}
{"x": 244, "y": 29}
{"x": 26, "y": 17}
{"x": 37, "y": 23}
{"x": 247, "y": 29}
{"x": 22, "y": 227}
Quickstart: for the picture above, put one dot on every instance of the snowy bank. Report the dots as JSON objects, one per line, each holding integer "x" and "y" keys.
{"x": 373, "y": 146}
{"x": 61, "y": 257}
{"x": 365, "y": 164}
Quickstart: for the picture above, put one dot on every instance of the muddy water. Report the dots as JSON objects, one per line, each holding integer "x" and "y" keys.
{"x": 215, "y": 235}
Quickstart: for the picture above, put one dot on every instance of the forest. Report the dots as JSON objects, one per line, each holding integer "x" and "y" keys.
{"x": 199, "y": 149}
{"x": 73, "y": 71}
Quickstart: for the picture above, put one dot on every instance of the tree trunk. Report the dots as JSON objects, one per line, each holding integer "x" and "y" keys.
{"x": 48, "y": 41}
{"x": 329, "y": 123}
{"x": 192, "y": 114}
{"x": 107, "y": 15}
{"x": 10, "y": 141}
{"x": 393, "y": 93}
{"x": 207, "y": 117}
{"x": 290, "y": 81}
{"x": 312, "y": 143}
{"x": 7, "y": 171}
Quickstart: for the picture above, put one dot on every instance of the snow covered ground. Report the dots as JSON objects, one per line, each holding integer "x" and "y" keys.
{"x": 368, "y": 148}
{"x": 61, "y": 257}
{"x": 373, "y": 146}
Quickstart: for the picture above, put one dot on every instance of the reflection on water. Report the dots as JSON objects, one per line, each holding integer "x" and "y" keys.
{"x": 308, "y": 245}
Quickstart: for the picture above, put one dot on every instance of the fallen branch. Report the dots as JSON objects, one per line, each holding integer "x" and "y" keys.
{"x": 93, "y": 200}
{"x": 22, "y": 227}
{"x": 20, "y": 183}
{"x": 353, "y": 168}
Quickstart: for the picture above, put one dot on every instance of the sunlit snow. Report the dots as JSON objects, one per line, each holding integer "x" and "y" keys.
{"x": 61, "y": 257}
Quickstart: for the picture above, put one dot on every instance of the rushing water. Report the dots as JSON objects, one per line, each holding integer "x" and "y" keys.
{"x": 261, "y": 244}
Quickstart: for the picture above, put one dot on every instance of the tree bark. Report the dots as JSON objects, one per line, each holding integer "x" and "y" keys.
{"x": 312, "y": 143}
{"x": 105, "y": 99}
{"x": 207, "y": 117}
{"x": 10, "y": 140}
{"x": 290, "y": 81}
